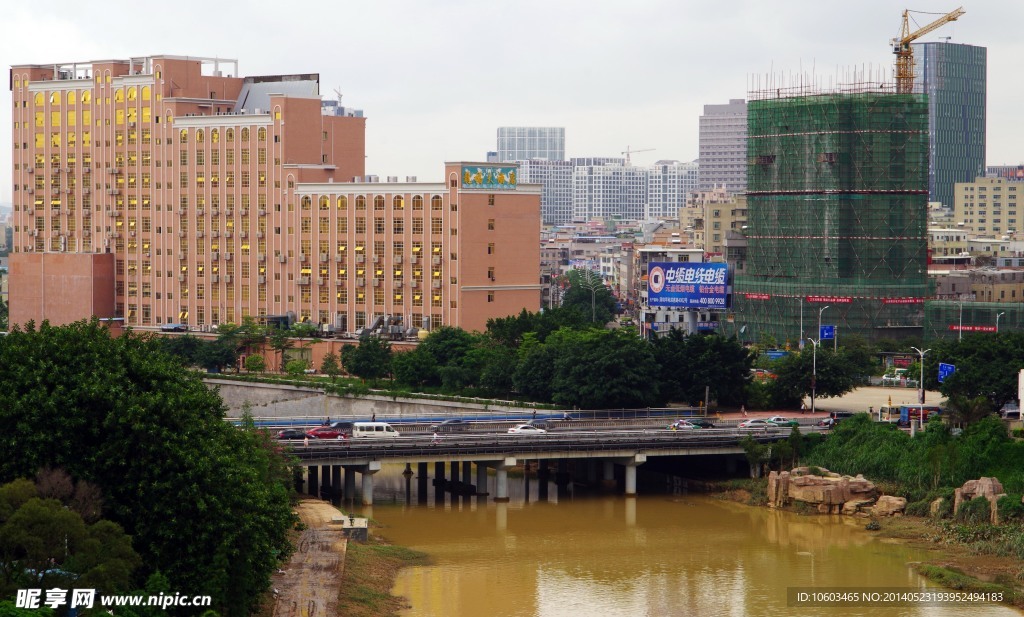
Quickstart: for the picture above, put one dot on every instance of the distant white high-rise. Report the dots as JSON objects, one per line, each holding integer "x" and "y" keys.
{"x": 556, "y": 177}
{"x": 723, "y": 146}
{"x": 518, "y": 143}
{"x": 668, "y": 185}
{"x": 609, "y": 191}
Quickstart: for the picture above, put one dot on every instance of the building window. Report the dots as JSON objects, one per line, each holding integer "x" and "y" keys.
{"x": 490, "y": 224}
{"x": 490, "y": 296}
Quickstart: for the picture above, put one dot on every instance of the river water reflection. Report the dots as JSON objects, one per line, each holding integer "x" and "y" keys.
{"x": 658, "y": 554}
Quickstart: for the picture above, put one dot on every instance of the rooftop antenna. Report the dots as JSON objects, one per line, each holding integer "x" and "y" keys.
{"x": 338, "y": 92}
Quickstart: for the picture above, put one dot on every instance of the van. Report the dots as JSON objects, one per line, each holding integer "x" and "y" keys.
{"x": 373, "y": 430}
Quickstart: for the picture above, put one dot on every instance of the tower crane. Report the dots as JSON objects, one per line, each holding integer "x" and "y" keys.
{"x": 628, "y": 151}
{"x": 905, "y": 54}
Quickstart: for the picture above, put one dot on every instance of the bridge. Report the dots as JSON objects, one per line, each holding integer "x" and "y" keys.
{"x": 325, "y": 459}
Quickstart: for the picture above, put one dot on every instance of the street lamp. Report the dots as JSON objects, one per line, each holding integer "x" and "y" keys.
{"x": 814, "y": 367}
{"x": 820, "y": 311}
{"x": 997, "y": 320}
{"x": 921, "y": 383}
{"x": 591, "y": 284}
{"x": 960, "y": 332}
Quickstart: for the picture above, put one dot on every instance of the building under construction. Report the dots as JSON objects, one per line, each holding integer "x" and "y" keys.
{"x": 837, "y": 187}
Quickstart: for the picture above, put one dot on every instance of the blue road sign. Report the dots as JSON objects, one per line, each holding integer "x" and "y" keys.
{"x": 945, "y": 370}
{"x": 827, "y": 333}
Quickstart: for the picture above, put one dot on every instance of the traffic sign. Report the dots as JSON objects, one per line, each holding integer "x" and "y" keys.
{"x": 945, "y": 370}
{"x": 827, "y": 333}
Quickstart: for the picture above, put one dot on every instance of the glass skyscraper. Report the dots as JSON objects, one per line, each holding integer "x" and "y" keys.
{"x": 522, "y": 143}
{"x": 954, "y": 78}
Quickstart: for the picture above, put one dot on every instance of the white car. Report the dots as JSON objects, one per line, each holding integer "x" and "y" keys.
{"x": 526, "y": 429}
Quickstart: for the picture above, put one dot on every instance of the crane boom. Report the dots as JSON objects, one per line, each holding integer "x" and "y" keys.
{"x": 905, "y": 53}
{"x": 629, "y": 151}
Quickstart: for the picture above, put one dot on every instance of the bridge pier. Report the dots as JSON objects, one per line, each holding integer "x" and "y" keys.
{"x": 542, "y": 480}
{"x": 371, "y": 468}
{"x": 350, "y": 483}
{"x": 325, "y": 481}
{"x": 454, "y": 473}
{"x": 312, "y": 486}
{"x": 631, "y": 464}
{"x": 467, "y": 471}
{"x": 608, "y": 475}
{"x": 481, "y": 481}
{"x": 439, "y": 478}
{"x": 501, "y": 479}
{"x": 336, "y": 481}
{"x": 421, "y": 483}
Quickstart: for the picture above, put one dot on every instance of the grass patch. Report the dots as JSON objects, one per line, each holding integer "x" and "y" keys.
{"x": 370, "y": 571}
{"x": 953, "y": 578}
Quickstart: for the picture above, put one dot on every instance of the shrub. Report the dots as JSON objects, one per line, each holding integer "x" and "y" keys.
{"x": 975, "y": 511}
{"x": 1019, "y": 433}
{"x": 1010, "y": 508}
{"x": 919, "y": 508}
{"x": 296, "y": 368}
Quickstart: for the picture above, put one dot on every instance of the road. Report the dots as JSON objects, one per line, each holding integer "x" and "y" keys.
{"x": 873, "y": 396}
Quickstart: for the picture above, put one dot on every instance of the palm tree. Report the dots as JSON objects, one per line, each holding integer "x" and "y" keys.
{"x": 965, "y": 411}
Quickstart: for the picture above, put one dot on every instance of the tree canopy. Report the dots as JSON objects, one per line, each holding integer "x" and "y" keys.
{"x": 206, "y": 504}
{"x": 590, "y": 295}
{"x": 986, "y": 365}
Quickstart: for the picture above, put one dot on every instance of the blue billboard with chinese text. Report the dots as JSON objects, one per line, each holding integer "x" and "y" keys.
{"x": 687, "y": 285}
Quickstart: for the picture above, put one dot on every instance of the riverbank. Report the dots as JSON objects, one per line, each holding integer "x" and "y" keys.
{"x": 370, "y": 573}
{"x": 972, "y": 558}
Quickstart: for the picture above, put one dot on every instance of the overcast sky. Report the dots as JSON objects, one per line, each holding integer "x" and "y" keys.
{"x": 436, "y": 78}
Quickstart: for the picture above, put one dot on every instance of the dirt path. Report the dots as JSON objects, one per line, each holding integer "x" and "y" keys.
{"x": 310, "y": 584}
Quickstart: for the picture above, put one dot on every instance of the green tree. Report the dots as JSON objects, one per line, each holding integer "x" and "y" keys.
{"x": 4, "y": 312}
{"x": 965, "y": 411}
{"x": 415, "y": 368}
{"x": 689, "y": 364}
{"x": 986, "y": 365}
{"x": 534, "y": 369}
{"x": 44, "y": 544}
{"x": 590, "y": 295}
{"x": 255, "y": 363}
{"x": 217, "y": 355}
{"x": 205, "y": 503}
{"x": 281, "y": 342}
{"x": 836, "y": 375}
{"x": 597, "y": 369}
{"x": 331, "y": 365}
{"x": 448, "y": 345}
{"x": 296, "y": 368}
{"x": 371, "y": 359}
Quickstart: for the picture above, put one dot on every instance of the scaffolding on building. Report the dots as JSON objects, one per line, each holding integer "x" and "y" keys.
{"x": 837, "y": 186}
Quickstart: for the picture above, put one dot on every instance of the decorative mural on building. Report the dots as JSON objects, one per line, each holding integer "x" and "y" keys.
{"x": 485, "y": 177}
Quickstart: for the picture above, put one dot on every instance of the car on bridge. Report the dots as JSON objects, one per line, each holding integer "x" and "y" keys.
{"x": 451, "y": 425}
{"x": 783, "y": 421}
{"x": 337, "y": 430}
{"x": 701, "y": 422}
{"x": 526, "y": 429}
{"x": 682, "y": 425}
{"x": 291, "y": 433}
{"x": 758, "y": 424}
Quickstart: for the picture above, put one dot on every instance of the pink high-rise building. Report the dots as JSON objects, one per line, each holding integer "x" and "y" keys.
{"x": 167, "y": 189}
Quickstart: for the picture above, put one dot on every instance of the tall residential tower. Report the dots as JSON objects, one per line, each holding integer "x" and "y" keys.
{"x": 723, "y": 147}
{"x": 954, "y": 78}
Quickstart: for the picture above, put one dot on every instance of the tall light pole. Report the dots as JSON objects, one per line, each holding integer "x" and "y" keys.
{"x": 997, "y": 320}
{"x": 820, "y": 311}
{"x": 921, "y": 383}
{"x": 960, "y": 332}
{"x": 588, "y": 282}
{"x": 814, "y": 368}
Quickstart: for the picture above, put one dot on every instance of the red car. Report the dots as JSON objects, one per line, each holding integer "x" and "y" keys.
{"x": 327, "y": 433}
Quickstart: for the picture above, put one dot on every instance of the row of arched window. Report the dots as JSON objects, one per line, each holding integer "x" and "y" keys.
{"x": 397, "y": 202}
{"x": 229, "y": 135}
{"x": 72, "y": 96}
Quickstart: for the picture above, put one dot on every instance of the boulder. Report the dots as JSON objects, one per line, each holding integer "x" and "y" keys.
{"x": 936, "y": 506}
{"x": 857, "y": 507}
{"x": 778, "y": 488}
{"x": 889, "y": 505}
{"x": 989, "y": 488}
{"x": 832, "y": 490}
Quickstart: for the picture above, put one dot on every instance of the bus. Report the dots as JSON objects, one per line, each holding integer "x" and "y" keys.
{"x": 917, "y": 412}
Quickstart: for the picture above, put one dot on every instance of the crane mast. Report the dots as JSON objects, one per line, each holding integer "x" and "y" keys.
{"x": 905, "y": 53}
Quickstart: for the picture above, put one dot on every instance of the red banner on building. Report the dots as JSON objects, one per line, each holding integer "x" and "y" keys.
{"x": 757, "y": 296}
{"x": 958, "y": 328}
{"x": 831, "y": 299}
{"x": 902, "y": 300}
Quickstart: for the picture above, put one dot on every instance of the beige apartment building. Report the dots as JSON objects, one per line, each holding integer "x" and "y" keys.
{"x": 158, "y": 190}
{"x": 710, "y": 215}
{"x": 989, "y": 206}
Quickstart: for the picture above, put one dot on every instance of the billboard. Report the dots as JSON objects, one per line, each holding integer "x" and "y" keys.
{"x": 686, "y": 285}
{"x": 489, "y": 177}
